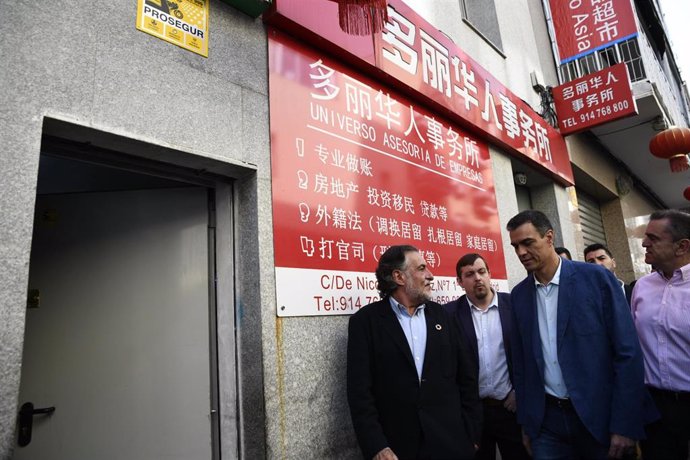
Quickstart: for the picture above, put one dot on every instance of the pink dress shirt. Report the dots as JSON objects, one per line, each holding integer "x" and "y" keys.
{"x": 661, "y": 311}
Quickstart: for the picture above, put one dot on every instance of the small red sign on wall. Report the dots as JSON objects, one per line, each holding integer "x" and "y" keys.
{"x": 594, "y": 99}
{"x": 583, "y": 26}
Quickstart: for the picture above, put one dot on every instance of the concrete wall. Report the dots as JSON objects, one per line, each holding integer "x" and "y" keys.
{"x": 84, "y": 62}
{"x": 635, "y": 209}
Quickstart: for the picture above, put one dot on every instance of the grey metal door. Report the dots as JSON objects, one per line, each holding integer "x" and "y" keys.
{"x": 119, "y": 343}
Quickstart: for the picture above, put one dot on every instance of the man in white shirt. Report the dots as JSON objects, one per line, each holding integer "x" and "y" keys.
{"x": 483, "y": 318}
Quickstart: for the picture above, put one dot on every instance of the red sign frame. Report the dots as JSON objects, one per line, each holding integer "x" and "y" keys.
{"x": 356, "y": 168}
{"x": 594, "y": 99}
{"x": 582, "y": 27}
{"x": 417, "y": 59}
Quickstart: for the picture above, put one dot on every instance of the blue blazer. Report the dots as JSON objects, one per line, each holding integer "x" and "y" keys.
{"x": 459, "y": 309}
{"x": 598, "y": 352}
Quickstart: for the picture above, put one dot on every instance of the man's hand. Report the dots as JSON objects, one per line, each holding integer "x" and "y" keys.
{"x": 385, "y": 454}
{"x": 526, "y": 443}
{"x": 620, "y": 445}
{"x": 510, "y": 402}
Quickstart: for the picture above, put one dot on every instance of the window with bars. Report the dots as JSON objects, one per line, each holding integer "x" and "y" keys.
{"x": 627, "y": 51}
{"x": 588, "y": 63}
{"x": 630, "y": 53}
{"x": 607, "y": 57}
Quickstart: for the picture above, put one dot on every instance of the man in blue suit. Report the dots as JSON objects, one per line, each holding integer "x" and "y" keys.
{"x": 484, "y": 321}
{"x": 577, "y": 363}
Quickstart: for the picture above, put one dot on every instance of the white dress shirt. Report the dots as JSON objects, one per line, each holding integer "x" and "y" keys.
{"x": 494, "y": 379}
{"x": 547, "y": 315}
{"x": 414, "y": 328}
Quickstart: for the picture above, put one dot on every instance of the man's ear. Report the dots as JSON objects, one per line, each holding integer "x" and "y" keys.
{"x": 549, "y": 235}
{"x": 683, "y": 247}
{"x": 399, "y": 277}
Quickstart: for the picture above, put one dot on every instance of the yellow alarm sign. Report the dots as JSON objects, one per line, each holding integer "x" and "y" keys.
{"x": 182, "y": 22}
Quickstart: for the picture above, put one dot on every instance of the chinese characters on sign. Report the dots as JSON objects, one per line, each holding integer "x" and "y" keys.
{"x": 421, "y": 59}
{"x": 357, "y": 168}
{"x": 594, "y": 99}
{"x": 583, "y": 26}
{"x": 414, "y": 53}
{"x": 183, "y": 22}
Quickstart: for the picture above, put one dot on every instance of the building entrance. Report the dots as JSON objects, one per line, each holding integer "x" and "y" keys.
{"x": 119, "y": 329}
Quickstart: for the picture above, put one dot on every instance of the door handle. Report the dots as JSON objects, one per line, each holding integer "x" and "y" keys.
{"x": 26, "y": 421}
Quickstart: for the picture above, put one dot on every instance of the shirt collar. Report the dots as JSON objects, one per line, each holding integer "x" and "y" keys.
{"x": 400, "y": 309}
{"x": 494, "y": 302}
{"x": 556, "y": 277}
{"x": 683, "y": 272}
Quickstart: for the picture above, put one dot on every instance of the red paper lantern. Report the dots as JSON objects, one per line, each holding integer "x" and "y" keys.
{"x": 686, "y": 193}
{"x": 362, "y": 17}
{"x": 672, "y": 144}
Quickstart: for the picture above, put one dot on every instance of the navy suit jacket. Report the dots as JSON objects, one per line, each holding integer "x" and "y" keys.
{"x": 388, "y": 404}
{"x": 598, "y": 352}
{"x": 459, "y": 309}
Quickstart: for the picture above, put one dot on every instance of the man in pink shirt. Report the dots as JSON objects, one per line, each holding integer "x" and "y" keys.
{"x": 661, "y": 311}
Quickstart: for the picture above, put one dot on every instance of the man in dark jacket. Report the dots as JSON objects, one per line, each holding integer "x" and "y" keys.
{"x": 484, "y": 321}
{"x": 577, "y": 362}
{"x": 600, "y": 254}
{"x": 410, "y": 385}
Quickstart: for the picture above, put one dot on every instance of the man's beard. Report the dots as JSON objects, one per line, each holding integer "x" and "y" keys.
{"x": 417, "y": 295}
{"x": 481, "y": 294}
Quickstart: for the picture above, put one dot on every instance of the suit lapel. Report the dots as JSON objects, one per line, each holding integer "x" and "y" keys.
{"x": 392, "y": 326}
{"x": 533, "y": 323}
{"x": 504, "y": 314}
{"x": 566, "y": 292}
{"x": 465, "y": 316}
{"x": 436, "y": 352}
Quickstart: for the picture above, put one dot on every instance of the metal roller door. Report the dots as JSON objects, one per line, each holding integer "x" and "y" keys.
{"x": 590, "y": 218}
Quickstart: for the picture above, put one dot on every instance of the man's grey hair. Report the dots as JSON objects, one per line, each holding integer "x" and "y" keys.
{"x": 391, "y": 260}
{"x": 678, "y": 222}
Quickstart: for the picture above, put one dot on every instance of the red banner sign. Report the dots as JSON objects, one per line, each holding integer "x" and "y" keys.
{"x": 595, "y": 99}
{"x": 583, "y": 26}
{"x": 416, "y": 57}
{"x": 356, "y": 168}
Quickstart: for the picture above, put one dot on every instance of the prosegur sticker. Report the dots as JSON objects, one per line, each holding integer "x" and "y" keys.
{"x": 181, "y": 22}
